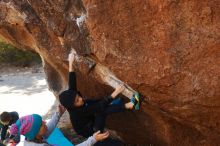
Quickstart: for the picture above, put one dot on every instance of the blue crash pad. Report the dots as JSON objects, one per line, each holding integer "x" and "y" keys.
{"x": 57, "y": 138}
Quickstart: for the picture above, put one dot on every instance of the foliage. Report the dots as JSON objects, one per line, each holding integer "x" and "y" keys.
{"x": 14, "y": 56}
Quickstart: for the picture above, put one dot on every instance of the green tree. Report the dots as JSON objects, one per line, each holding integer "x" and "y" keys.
{"x": 14, "y": 56}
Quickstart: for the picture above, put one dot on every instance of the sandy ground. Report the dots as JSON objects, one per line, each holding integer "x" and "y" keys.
{"x": 25, "y": 91}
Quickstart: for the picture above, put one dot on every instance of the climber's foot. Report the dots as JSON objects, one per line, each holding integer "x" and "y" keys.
{"x": 135, "y": 99}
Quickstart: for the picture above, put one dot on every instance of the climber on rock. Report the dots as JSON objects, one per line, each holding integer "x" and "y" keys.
{"x": 88, "y": 116}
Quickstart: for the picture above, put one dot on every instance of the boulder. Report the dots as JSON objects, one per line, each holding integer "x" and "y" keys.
{"x": 168, "y": 50}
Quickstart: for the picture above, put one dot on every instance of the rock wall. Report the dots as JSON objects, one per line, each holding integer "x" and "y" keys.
{"x": 168, "y": 50}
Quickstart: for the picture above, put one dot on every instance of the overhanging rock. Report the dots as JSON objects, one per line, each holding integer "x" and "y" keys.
{"x": 167, "y": 50}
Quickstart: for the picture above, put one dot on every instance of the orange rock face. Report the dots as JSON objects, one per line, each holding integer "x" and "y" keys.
{"x": 168, "y": 50}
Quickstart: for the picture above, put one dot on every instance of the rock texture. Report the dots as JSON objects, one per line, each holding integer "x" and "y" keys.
{"x": 168, "y": 50}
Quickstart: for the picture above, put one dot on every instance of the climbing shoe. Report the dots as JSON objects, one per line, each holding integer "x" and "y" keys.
{"x": 135, "y": 99}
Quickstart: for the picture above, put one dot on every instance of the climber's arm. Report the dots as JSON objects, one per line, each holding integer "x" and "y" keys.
{"x": 72, "y": 74}
{"x": 71, "y": 59}
{"x": 100, "y": 105}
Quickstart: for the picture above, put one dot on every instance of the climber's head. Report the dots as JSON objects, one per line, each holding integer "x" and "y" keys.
{"x": 70, "y": 98}
{"x": 5, "y": 118}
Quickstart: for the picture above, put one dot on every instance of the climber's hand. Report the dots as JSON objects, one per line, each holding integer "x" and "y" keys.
{"x": 72, "y": 56}
{"x": 119, "y": 89}
{"x": 61, "y": 109}
{"x": 100, "y": 136}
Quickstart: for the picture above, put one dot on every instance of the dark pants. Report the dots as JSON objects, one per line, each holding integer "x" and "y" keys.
{"x": 99, "y": 120}
{"x": 109, "y": 142}
{"x": 99, "y": 123}
{"x": 4, "y": 132}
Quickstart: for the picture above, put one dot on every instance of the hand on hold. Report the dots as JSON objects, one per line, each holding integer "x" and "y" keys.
{"x": 72, "y": 56}
{"x": 61, "y": 109}
{"x": 100, "y": 136}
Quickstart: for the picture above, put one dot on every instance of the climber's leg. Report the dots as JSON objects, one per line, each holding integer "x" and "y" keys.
{"x": 116, "y": 101}
{"x": 87, "y": 131}
{"x": 115, "y": 107}
{"x": 135, "y": 99}
{"x": 99, "y": 122}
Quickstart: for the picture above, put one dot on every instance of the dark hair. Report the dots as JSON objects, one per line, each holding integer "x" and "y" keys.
{"x": 5, "y": 117}
{"x": 67, "y": 98}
